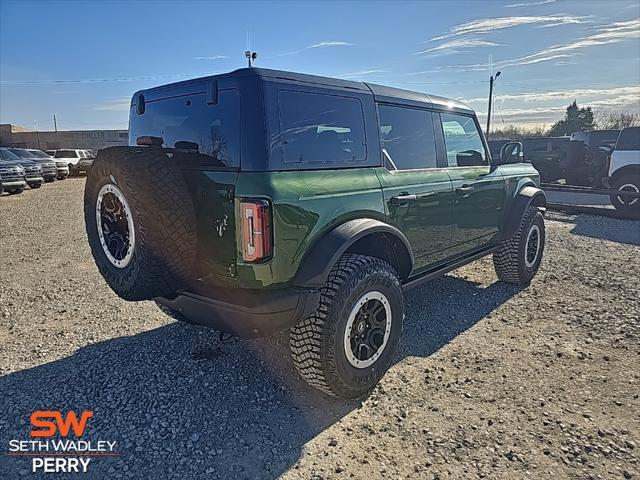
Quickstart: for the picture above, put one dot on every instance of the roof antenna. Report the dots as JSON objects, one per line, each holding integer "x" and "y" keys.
{"x": 251, "y": 56}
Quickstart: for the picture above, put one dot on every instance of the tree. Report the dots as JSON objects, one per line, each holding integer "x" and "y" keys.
{"x": 616, "y": 120}
{"x": 576, "y": 119}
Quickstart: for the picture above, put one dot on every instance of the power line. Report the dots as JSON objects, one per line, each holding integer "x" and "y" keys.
{"x": 104, "y": 80}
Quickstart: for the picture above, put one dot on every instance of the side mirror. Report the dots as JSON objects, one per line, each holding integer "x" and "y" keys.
{"x": 511, "y": 153}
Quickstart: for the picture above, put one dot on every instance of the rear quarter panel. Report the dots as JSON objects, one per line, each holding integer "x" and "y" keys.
{"x": 306, "y": 204}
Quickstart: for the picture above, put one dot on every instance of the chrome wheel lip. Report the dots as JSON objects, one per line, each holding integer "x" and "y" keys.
{"x": 351, "y": 358}
{"x": 538, "y": 241}
{"x": 628, "y": 187}
{"x": 114, "y": 190}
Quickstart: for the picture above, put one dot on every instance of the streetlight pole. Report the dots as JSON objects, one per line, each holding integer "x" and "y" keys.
{"x": 491, "y": 80}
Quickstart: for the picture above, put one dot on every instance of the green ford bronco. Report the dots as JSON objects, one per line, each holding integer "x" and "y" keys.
{"x": 260, "y": 200}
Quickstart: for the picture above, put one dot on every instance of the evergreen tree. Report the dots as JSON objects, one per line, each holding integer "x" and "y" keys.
{"x": 576, "y": 119}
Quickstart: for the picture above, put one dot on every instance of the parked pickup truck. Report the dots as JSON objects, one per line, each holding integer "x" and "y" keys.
{"x": 623, "y": 170}
{"x": 262, "y": 200}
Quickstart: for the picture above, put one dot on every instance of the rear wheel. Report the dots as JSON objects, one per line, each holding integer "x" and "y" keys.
{"x": 518, "y": 259}
{"x": 349, "y": 343}
{"x": 626, "y": 183}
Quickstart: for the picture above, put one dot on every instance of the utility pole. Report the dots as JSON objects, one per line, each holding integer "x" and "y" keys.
{"x": 35, "y": 124}
{"x": 491, "y": 80}
{"x": 55, "y": 124}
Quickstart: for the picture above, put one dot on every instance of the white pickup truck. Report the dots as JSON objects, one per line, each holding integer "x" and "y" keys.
{"x": 624, "y": 170}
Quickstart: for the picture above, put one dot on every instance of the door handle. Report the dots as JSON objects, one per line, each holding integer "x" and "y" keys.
{"x": 402, "y": 199}
{"x": 464, "y": 191}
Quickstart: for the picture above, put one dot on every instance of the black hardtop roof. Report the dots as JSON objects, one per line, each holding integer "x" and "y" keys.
{"x": 382, "y": 93}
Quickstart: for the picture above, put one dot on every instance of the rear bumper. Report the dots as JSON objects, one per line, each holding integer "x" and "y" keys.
{"x": 246, "y": 313}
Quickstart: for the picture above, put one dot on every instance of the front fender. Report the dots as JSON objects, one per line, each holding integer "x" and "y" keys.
{"x": 317, "y": 264}
{"x": 526, "y": 197}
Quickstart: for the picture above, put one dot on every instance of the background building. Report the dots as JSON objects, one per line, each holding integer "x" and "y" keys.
{"x": 16, "y": 136}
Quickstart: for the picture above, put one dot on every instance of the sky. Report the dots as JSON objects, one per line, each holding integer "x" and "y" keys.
{"x": 82, "y": 60}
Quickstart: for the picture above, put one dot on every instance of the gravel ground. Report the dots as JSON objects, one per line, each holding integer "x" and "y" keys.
{"x": 491, "y": 381}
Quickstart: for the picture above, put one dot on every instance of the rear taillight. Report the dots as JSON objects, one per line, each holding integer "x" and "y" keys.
{"x": 256, "y": 230}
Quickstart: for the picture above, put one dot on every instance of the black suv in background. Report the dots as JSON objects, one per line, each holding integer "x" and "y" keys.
{"x": 49, "y": 170}
{"x": 11, "y": 173}
{"x": 548, "y": 155}
{"x": 587, "y": 153}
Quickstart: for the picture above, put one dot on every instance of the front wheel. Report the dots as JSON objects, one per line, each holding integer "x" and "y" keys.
{"x": 518, "y": 259}
{"x": 626, "y": 183}
{"x": 349, "y": 343}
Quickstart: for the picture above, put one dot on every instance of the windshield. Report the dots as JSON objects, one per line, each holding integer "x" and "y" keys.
{"x": 38, "y": 154}
{"x": 21, "y": 153}
{"x": 6, "y": 154}
{"x": 66, "y": 154}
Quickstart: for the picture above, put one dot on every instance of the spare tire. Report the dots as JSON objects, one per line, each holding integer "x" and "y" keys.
{"x": 140, "y": 222}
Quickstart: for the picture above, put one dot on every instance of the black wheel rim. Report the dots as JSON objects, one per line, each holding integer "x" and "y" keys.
{"x": 115, "y": 228}
{"x": 368, "y": 330}
{"x": 533, "y": 245}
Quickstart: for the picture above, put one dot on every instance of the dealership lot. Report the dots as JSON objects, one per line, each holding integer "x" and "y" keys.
{"x": 491, "y": 381}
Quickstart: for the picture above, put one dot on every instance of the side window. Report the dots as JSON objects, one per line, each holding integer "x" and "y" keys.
{"x": 462, "y": 141}
{"x": 407, "y": 136}
{"x": 319, "y": 128}
{"x": 629, "y": 139}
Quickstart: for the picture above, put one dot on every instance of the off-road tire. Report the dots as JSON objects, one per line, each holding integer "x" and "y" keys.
{"x": 164, "y": 252}
{"x": 317, "y": 342}
{"x": 510, "y": 259}
{"x": 618, "y": 183}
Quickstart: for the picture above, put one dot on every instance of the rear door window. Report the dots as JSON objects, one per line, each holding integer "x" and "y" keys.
{"x": 462, "y": 140}
{"x": 407, "y": 137}
{"x": 629, "y": 139}
{"x": 321, "y": 128}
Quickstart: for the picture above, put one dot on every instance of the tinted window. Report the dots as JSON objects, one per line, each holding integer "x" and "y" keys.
{"x": 321, "y": 128}
{"x": 603, "y": 137}
{"x": 462, "y": 140}
{"x": 203, "y": 133}
{"x": 407, "y": 136}
{"x": 66, "y": 154}
{"x": 629, "y": 139}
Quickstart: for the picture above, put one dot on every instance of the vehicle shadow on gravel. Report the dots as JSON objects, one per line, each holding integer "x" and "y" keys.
{"x": 181, "y": 404}
{"x": 604, "y": 228}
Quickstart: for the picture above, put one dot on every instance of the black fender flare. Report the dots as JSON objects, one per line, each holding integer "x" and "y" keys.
{"x": 526, "y": 197}
{"x": 316, "y": 265}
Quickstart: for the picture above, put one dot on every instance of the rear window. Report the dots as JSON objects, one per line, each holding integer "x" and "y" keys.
{"x": 320, "y": 128}
{"x": 629, "y": 139}
{"x": 407, "y": 137}
{"x": 66, "y": 154}
{"x": 204, "y": 134}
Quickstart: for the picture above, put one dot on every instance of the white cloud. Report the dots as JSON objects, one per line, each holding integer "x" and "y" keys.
{"x": 486, "y": 25}
{"x": 542, "y": 2}
{"x": 629, "y": 92}
{"x": 214, "y": 57}
{"x": 325, "y": 44}
{"x": 460, "y": 44}
{"x": 608, "y": 34}
{"x": 115, "y": 105}
{"x": 331, "y": 43}
{"x": 360, "y": 73}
